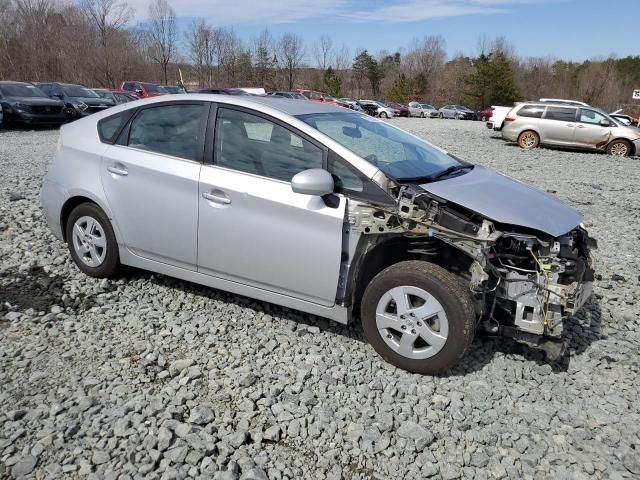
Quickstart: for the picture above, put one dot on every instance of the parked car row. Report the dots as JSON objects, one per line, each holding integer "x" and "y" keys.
{"x": 54, "y": 103}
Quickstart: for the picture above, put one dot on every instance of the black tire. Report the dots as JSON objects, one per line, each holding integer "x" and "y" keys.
{"x": 454, "y": 297}
{"x": 421, "y": 114}
{"x": 528, "y": 140}
{"x": 619, "y": 148}
{"x": 441, "y": 115}
{"x": 111, "y": 263}
{"x": 384, "y": 115}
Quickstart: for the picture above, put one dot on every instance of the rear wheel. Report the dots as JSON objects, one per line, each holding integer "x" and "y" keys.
{"x": 528, "y": 140}
{"x": 91, "y": 241}
{"x": 418, "y": 317}
{"x": 619, "y": 148}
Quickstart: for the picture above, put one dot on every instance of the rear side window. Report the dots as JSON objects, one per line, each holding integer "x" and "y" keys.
{"x": 532, "y": 111}
{"x": 174, "y": 130}
{"x": 562, "y": 114}
{"x": 108, "y": 128}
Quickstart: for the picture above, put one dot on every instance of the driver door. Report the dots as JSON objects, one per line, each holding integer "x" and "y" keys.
{"x": 253, "y": 229}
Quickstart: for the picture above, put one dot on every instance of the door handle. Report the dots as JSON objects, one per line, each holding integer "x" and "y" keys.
{"x": 570, "y": 125}
{"x": 580, "y": 126}
{"x": 220, "y": 197}
{"x": 118, "y": 170}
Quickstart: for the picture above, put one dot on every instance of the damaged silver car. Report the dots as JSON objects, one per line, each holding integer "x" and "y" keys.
{"x": 324, "y": 210}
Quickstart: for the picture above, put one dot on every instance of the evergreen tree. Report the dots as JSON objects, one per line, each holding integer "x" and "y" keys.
{"x": 365, "y": 66}
{"x": 400, "y": 91}
{"x": 332, "y": 83}
{"x": 493, "y": 82}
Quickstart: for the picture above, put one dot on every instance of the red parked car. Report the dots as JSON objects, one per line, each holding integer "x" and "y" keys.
{"x": 486, "y": 114}
{"x": 401, "y": 110}
{"x": 142, "y": 89}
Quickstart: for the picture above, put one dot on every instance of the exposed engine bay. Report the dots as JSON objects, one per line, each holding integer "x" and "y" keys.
{"x": 524, "y": 282}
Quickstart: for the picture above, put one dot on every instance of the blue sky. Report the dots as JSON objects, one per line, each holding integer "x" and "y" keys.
{"x": 568, "y": 29}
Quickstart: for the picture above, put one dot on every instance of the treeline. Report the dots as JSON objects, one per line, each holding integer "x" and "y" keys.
{"x": 94, "y": 42}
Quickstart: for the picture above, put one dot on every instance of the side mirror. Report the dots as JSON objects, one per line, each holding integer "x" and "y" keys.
{"x": 59, "y": 96}
{"x": 605, "y": 123}
{"x": 139, "y": 91}
{"x": 314, "y": 181}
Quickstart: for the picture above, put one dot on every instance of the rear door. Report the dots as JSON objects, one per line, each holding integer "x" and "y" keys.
{"x": 558, "y": 125}
{"x": 589, "y": 133}
{"x": 253, "y": 228}
{"x": 150, "y": 178}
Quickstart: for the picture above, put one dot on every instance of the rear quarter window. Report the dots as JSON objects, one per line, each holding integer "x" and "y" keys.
{"x": 108, "y": 128}
{"x": 531, "y": 111}
{"x": 563, "y": 114}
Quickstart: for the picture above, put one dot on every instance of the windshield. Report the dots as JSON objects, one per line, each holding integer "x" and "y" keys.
{"x": 399, "y": 155}
{"x": 150, "y": 87}
{"x": 78, "y": 91}
{"x": 430, "y": 107}
{"x": 462, "y": 107}
{"x": 103, "y": 94}
{"x": 15, "y": 90}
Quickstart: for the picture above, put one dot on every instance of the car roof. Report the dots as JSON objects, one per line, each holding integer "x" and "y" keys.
{"x": 11, "y": 82}
{"x": 288, "y": 106}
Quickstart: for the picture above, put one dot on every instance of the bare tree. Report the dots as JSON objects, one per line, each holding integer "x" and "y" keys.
{"x": 198, "y": 38}
{"x": 162, "y": 35}
{"x": 291, "y": 54}
{"x": 107, "y": 18}
{"x": 322, "y": 52}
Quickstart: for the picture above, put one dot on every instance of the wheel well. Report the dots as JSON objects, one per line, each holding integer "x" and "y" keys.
{"x": 67, "y": 208}
{"x": 628, "y": 142}
{"x": 399, "y": 249}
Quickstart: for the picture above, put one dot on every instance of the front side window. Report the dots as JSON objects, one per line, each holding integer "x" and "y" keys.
{"x": 398, "y": 154}
{"x": 174, "y": 130}
{"x": 563, "y": 114}
{"x": 151, "y": 88}
{"x": 253, "y": 144}
{"x": 591, "y": 116}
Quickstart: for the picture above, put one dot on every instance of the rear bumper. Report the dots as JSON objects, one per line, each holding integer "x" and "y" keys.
{"x": 52, "y": 198}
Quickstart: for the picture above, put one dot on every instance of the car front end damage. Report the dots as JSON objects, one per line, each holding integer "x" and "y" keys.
{"x": 525, "y": 282}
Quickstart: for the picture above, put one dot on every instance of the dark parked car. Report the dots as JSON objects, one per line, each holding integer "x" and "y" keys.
{"x": 24, "y": 103}
{"x": 79, "y": 101}
{"x": 369, "y": 108}
{"x": 118, "y": 96}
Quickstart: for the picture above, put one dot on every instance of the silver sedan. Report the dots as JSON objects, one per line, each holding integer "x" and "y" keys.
{"x": 320, "y": 209}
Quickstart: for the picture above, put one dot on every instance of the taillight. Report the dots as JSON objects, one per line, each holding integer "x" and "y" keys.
{"x": 509, "y": 119}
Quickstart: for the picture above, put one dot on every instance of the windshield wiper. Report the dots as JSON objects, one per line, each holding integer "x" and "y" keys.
{"x": 436, "y": 176}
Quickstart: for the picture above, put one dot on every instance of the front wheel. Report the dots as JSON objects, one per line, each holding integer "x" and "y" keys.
{"x": 384, "y": 115}
{"x": 421, "y": 114}
{"x": 441, "y": 115}
{"x": 619, "y": 148}
{"x": 418, "y": 317}
{"x": 91, "y": 241}
{"x": 529, "y": 140}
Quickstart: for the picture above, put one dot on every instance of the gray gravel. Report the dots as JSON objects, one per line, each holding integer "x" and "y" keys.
{"x": 150, "y": 377}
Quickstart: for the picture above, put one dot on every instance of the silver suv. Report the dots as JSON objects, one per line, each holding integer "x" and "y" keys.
{"x": 536, "y": 123}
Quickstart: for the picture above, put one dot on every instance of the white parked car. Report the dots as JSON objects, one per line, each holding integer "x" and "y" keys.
{"x": 423, "y": 110}
{"x": 383, "y": 110}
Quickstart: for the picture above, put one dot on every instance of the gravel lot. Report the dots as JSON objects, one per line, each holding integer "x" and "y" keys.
{"x": 150, "y": 377}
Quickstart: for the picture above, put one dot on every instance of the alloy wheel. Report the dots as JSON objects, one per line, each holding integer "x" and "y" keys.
{"x": 619, "y": 149}
{"x": 528, "y": 140}
{"x": 89, "y": 241}
{"x": 412, "y": 322}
